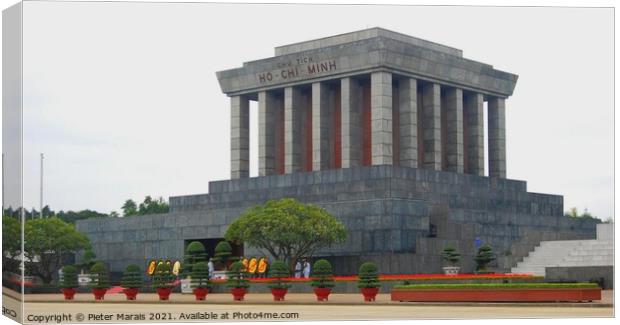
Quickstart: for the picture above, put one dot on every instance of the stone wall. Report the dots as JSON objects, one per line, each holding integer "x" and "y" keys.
{"x": 387, "y": 210}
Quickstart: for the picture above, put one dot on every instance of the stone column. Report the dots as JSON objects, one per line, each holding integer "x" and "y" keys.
{"x": 431, "y": 123}
{"x": 474, "y": 123}
{"x": 266, "y": 134}
{"x": 320, "y": 126}
{"x": 454, "y": 130}
{"x": 408, "y": 109}
{"x": 351, "y": 97}
{"x": 292, "y": 130}
{"x": 497, "y": 137}
{"x": 239, "y": 137}
{"x": 381, "y": 118}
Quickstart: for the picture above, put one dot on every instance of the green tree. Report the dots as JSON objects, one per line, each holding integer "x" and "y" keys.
{"x": 11, "y": 244}
{"x": 279, "y": 270}
{"x": 88, "y": 259}
{"x": 200, "y": 276}
{"x": 99, "y": 277}
{"x": 163, "y": 277}
{"x": 132, "y": 277}
{"x": 69, "y": 278}
{"x": 286, "y": 229}
{"x": 484, "y": 257}
{"x": 47, "y": 241}
{"x": 150, "y": 206}
{"x": 194, "y": 253}
{"x": 130, "y": 208}
{"x": 451, "y": 256}
{"x": 368, "y": 276}
{"x": 322, "y": 274}
{"x": 237, "y": 276}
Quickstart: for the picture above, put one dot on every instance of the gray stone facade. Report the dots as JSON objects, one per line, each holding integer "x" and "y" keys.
{"x": 383, "y": 130}
{"x": 387, "y": 210}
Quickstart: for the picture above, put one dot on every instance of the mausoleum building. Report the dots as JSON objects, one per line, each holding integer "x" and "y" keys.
{"x": 385, "y": 131}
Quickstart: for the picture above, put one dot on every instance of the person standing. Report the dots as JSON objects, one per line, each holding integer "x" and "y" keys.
{"x": 298, "y": 269}
{"x": 211, "y": 268}
{"x": 306, "y": 269}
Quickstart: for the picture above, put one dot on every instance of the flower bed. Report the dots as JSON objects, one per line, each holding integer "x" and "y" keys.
{"x": 497, "y": 292}
{"x": 414, "y": 277}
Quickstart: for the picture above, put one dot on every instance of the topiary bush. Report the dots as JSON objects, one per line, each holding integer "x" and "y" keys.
{"x": 368, "y": 276}
{"x": 99, "y": 278}
{"x": 322, "y": 274}
{"x": 451, "y": 256}
{"x": 69, "y": 278}
{"x": 200, "y": 276}
{"x": 132, "y": 277}
{"x": 194, "y": 253}
{"x": 163, "y": 277}
{"x": 237, "y": 276}
{"x": 279, "y": 270}
{"x": 484, "y": 257}
{"x": 223, "y": 253}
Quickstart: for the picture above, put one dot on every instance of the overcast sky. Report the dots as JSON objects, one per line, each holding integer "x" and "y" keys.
{"x": 122, "y": 97}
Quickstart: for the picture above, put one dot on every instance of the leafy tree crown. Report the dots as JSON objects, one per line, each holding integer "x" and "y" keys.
{"x": 99, "y": 276}
{"x": 286, "y": 229}
{"x": 322, "y": 276}
{"x": 69, "y": 278}
{"x": 200, "y": 275}
{"x": 132, "y": 277}
{"x": 368, "y": 276}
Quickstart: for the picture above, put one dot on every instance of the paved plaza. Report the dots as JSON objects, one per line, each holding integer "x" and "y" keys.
{"x": 259, "y": 306}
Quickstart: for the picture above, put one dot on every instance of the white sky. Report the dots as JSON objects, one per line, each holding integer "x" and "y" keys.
{"x": 122, "y": 97}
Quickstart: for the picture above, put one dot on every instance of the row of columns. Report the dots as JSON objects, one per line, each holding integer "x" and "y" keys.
{"x": 327, "y": 126}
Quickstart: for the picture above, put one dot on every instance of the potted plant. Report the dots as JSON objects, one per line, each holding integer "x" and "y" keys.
{"x": 368, "y": 281}
{"x": 279, "y": 286}
{"x": 68, "y": 281}
{"x": 132, "y": 281}
{"x": 322, "y": 279}
{"x": 163, "y": 281}
{"x": 237, "y": 281}
{"x": 194, "y": 253}
{"x": 200, "y": 280}
{"x": 223, "y": 254}
{"x": 452, "y": 257}
{"x": 483, "y": 258}
{"x": 99, "y": 280}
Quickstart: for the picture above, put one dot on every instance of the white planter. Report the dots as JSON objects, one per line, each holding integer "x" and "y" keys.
{"x": 451, "y": 270}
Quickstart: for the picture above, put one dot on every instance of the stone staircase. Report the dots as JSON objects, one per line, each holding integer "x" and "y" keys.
{"x": 570, "y": 253}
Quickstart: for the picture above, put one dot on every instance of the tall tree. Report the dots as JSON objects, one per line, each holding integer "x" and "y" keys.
{"x": 11, "y": 243}
{"x": 130, "y": 208}
{"x": 286, "y": 229}
{"x": 47, "y": 241}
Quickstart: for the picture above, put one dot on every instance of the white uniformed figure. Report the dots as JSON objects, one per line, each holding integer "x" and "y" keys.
{"x": 298, "y": 269}
{"x": 211, "y": 268}
{"x": 306, "y": 269}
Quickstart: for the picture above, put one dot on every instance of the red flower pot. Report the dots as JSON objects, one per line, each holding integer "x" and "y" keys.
{"x": 99, "y": 293}
{"x": 164, "y": 293}
{"x": 68, "y": 293}
{"x": 131, "y": 293}
{"x": 200, "y": 293}
{"x": 322, "y": 294}
{"x": 238, "y": 293}
{"x": 278, "y": 293}
{"x": 369, "y": 293}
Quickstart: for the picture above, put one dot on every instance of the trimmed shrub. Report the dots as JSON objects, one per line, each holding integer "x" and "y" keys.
{"x": 163, "y": 277}
{"x": 200, "y": 276}
{"x": 237, "y": 276}
{"x": 69, "y": 278}
{"x": 194, "y": 253}
{"x": 368, "y": 276}
{"x": 484, "y": 257}
{"x": 132, "y": 277}
{"x": 99, "y": 278}
{"x": 279, "y": 270}
{"x": 322, "y": 274}
{"x": 451, "y": 256}
{"x": 223, "y": 253}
